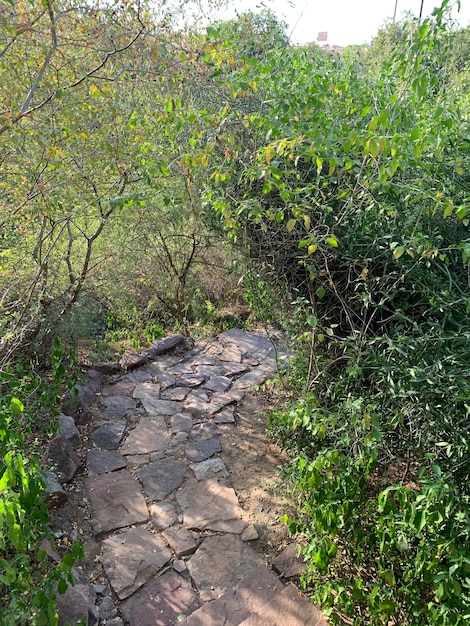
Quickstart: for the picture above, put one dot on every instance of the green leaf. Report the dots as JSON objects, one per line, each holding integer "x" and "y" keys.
{"x": 398, "y": 252}
{"x": 332, "y": 241}
{"x": 312, "y": 321}
{"x": 16, "y": 407}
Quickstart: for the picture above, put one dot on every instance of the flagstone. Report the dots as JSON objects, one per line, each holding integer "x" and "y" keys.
{"x": 150, "y": 435}
{"x": 131, "y": 558}
{"x": 115, "y": 501}
{"x": 160, "y": 478}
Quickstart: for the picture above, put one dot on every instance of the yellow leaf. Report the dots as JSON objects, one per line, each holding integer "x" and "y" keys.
{"x": 307, "y": 221}
{"x": 269, "y": 152}
{"x": 312, "y": 248}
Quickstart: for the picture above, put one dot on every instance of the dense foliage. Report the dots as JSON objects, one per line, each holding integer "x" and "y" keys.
{"x": 141, "y": 161}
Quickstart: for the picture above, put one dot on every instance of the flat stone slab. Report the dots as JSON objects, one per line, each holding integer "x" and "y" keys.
{"x": 150, "y": 434}
{"x": 231, "y": 353}
{"x": 256, "y": 345}
{"x": 191, "y": 380}
{"x": 180, "y": 540}
{"x": 117, "y": 406}
{"x": 163, "y": 514}
{"x": 288, "y": 564}
{"x": 147, "y": 390}
{"x": 220, "y": 563}
{"x": 121, "y": 388}
{"x": 234, "y": 369}
{"x": 138, "y": 376}
{"x": 249, "y": 596}
{"x": 162, "y": 477}
{"x": 175, "y": 393}
{"x": 224, "y": 417}
{"x": 180, "y": 368}
{"x": 202, "y": 450}
{"x": 224, "y": 398}
{"x": 165, "y": 380}
{"x": 288, "y": 608}
{"x": 108, "y": 435}
{"x": 250, "y": 379}
{"x": 164, "y": 601}
{"x": 218, "y": 383}
{"x": 163, "y": 364}
{"x": 197, "y": 402}
{"x": 181, "y": 423}
{"x": 210, "y": 468}
{"x": 131, "y": 558}
{"x": 203, "y": 359}
{"x": 161, "y": 407}
{"x": 209, "y": 370}
{"x": 210, "y": 505}
{"x": 104, "y": 461}
{"x": 206, "y": 430}
{"x": 115, "y": 501}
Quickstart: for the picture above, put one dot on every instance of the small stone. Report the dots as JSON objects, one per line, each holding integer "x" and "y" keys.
{"x": 55, "y": 493}
{"x": 180, "y": 566}
{"x": 68, "y": 429}
{"x": 100, "y": 590}
{"x": 249, "y": 534}
{"x": 180, "y": 540}
{"x": 288, "y": 564}
{"x": 62, "y": 458}
{"x": 115, "y": 621}
{"x": 107, "y": 608}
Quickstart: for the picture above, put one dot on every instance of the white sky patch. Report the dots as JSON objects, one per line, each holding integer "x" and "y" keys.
{"x": 345, "y": 21}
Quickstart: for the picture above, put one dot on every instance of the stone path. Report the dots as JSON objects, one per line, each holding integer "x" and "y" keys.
{"x": 174, "y": 543}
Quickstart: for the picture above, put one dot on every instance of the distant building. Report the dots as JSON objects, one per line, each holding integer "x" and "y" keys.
{"x": 323, "y": 36}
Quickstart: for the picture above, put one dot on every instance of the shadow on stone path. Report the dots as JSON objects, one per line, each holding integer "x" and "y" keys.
{"x": 173, "y": 538}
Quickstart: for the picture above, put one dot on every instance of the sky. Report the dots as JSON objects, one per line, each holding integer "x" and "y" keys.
{"x": 345, "y": 21}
